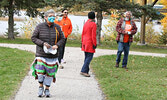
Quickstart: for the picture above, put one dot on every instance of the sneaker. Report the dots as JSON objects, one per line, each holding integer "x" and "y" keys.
{"x": 124, "y": 67}
{"x": 40, "y": 92}
{"x": 85, "y": 74}
{"x": 47, "y": 93}
{"x": 61, "y": 66}
{"x": 63, "y": 61}
{"x": 117, "y": 65}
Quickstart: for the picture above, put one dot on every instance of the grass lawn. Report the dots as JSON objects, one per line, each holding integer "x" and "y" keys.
{"x": 104, "y": 45}
{"x": 146, "y": 78}
{"x": 14, "y": 65}
{"x": 16, "y": 41}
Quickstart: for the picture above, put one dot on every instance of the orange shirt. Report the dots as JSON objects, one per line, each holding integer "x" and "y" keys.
{"x": 66, "y": 26}
{"x": 128, "y": 27}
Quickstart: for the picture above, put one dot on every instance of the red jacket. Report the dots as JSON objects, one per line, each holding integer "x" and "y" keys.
{"x": 89, "y": 36}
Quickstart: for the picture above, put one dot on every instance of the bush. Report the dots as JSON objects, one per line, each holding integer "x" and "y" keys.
{"x": 136, "y": 37}
{"x": 75, "y": 35}
{"x": 29, "y": 26}
{"x": 110, "y": 32}
{"x": 150, "y": 35}
{"x": 163, "y": 38}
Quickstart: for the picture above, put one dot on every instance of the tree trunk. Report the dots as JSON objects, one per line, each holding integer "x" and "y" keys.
{"x": 143, "y": 25}
{"x": 99, "y": 24}
{"x": 11, "y": 21}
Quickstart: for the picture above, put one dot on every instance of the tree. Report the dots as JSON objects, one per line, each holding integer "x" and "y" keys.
{"x": 163, "y": 38}
{"x": 147, "y": 14}
{"x": 11, "y": 7}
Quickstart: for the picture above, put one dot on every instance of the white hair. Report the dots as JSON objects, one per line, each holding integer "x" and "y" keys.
{"x": 128, "y": 12}
{"x": 48, "y": 12}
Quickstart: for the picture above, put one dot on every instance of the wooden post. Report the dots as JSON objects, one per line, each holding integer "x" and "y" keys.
{"x": 143, "y": 19}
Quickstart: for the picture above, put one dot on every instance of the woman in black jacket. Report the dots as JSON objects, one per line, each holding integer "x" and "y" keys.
{"x": 48, "y": 37}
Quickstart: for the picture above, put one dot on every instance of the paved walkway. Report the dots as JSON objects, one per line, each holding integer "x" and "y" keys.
{"x": 70, "y": 85}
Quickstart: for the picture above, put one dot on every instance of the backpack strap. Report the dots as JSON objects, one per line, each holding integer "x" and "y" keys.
{"x": 57, "y": 33}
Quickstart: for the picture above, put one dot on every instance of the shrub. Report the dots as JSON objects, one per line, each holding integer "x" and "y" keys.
{"x": 29, "y": 26}
{"x": 75, "y": 35}
{"x": 136, "y": 37}
{"x": 163, "y": 38}
{"x": 110, "y": 32}
{"x": 151, "y": 36}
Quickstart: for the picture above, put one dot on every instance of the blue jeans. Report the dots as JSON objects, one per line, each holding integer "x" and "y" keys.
{"x": 123, "y": 47}
{"x": 88, "y": 58}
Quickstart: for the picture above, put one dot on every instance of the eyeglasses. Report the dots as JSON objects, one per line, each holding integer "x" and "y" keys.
{"x": 66, "y": 12}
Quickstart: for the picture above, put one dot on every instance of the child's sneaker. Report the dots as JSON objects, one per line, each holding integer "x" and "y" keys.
{"x": 40, "y": 92}
{"x": 63, "y": 61}
{"x": 47, "y": 93}
{"x": 61, "y": 66}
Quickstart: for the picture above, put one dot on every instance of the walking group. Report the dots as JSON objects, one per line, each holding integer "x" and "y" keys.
{"x": 51, "y": 36}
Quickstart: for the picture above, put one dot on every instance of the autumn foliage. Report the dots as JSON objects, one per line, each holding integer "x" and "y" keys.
{"x": 163, "y": 38}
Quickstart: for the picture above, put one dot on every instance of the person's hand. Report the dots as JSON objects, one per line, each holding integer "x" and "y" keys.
{"x": 54, "y": 47}
{"x": 94, "y": 47}
{"x": 47, "y": 45}
{"x": 126, "y": 32}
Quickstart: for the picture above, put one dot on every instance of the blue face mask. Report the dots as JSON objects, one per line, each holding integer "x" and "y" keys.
{"x": 51, "y": 19}
{"x": 60, "y": 18}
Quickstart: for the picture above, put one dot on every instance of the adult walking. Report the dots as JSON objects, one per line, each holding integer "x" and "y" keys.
{"x": 126, "y": 28}
{"x": 88, "y": 42}
{"x": 66, "y": 26}
{"x": 48, "y": 37}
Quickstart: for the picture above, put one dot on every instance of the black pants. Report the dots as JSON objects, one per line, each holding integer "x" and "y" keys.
{"x": 61, "y": 51}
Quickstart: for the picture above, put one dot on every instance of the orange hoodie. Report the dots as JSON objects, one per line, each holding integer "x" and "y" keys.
{"x": 66, "y": 26}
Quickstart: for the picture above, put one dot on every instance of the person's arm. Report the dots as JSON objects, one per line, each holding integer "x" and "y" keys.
{"x": 119, "y": 28}
{"x": 134, "y": 28}
{"x": 35, "y": 37}
{"x": 94, "y": 35}
{"x": 70, "y": 27}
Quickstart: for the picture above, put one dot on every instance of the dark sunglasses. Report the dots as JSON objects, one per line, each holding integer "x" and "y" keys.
{"x": 66, "y": 12}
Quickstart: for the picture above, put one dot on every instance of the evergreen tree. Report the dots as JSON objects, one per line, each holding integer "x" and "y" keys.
{"x": 11, "y": 7}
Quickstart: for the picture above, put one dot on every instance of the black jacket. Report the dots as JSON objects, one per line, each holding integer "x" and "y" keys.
{"x": 44, "y": 33}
